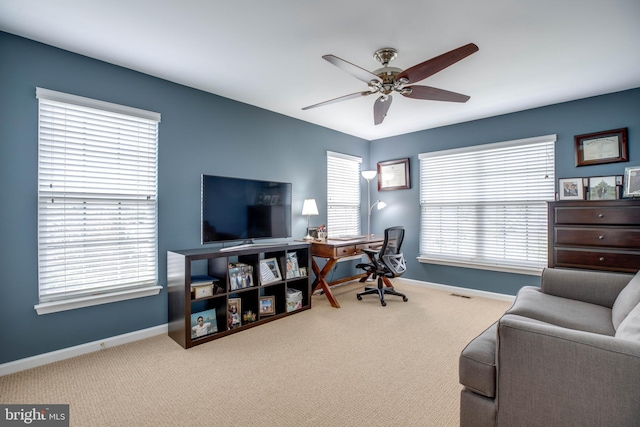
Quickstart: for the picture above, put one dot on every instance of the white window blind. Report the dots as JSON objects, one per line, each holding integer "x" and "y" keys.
{"x": 486, "y": 205}
{"x": 97, "y": 206}
{"x": 343, "y": 194}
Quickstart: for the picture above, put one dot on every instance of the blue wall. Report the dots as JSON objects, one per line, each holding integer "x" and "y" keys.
{"x": 200, "y": 133}
{"x": 203, "y": 133}
{"x": 613, "y": 111}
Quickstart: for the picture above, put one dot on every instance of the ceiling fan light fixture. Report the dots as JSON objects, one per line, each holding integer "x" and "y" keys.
{"x": 387, "y": 80}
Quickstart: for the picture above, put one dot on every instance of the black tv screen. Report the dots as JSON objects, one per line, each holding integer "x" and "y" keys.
{"x": 237, "y": 209}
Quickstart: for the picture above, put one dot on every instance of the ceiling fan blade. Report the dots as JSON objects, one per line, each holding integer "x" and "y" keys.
{"x": 341, "y": 98}
{"x": 439, "y": 63}
{"x": 354, "y": 70}
{"x": 434, "y": 94}
{"x": 380, "y": 109}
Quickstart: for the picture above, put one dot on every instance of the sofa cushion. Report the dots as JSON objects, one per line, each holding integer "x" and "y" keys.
{"x": 477, "y": 364}
{"x": 563, "y": 312}
{"x": 629, "y": 329}
{"x": 628, "y": 298}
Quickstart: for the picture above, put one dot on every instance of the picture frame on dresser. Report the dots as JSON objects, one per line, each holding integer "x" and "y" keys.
{"x": 570, "y": 189}
{"x": 631, "y": 182}
{"x": 603, "y": 188}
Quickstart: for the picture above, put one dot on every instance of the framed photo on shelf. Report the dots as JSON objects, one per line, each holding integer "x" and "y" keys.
{"x": 240, "y": 276}
{"x": 393, "y": 175}
{"x": 233, "y": 313}
{"x": 570, "y": 189}
{"x": 632, "y": 181}
{"x": 267, "y": 306}
{"x": 203, "y": 323}
{"x": 601, "y": 147}
{"x": 603, "y": 188}
{"x": 269, "y": 271}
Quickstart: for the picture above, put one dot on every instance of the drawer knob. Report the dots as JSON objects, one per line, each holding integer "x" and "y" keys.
{"x": 601, "y": 237}
{"x": 600, "y": 215}
{"x": 601, "y": 259}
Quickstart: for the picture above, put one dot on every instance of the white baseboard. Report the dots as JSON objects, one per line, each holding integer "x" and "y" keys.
{"x": 78, "y": 350}
{"x": 66, "y": 353}
{"x": 463, "y": 291}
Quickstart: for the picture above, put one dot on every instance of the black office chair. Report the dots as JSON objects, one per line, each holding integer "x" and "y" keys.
{"x": 388, "y": 262}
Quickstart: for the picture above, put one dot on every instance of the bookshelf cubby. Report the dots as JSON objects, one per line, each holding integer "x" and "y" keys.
{"x": 260, "y": 301}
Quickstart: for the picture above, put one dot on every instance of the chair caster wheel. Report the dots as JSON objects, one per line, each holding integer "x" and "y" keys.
{"x": 405, "y": 299}
{"x": 384, "y": 303}
{"x": 359, "y": 297}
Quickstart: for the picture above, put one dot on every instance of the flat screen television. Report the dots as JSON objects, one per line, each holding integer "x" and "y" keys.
{"x": 237, "y": 209}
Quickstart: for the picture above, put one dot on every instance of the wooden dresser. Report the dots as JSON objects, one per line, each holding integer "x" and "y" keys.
{"x": 595, "y": 235}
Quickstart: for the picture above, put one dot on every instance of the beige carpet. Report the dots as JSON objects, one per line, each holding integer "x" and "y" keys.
{"x": 360, "y": 365}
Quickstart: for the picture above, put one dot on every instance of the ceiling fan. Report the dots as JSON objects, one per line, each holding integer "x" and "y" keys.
{"x": 387, "y": 80}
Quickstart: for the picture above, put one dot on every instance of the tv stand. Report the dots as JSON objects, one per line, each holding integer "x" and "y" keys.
{"x": 232, "y": 296}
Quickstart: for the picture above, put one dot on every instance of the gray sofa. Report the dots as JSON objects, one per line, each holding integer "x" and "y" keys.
{"x": 565, "y": 354}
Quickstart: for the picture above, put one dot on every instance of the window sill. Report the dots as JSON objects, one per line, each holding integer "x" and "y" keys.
{"x": 72, "y": 304}
{"x": 492, "y": 267}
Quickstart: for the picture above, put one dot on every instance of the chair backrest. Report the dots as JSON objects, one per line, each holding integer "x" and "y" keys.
{"x": 390, "y": 254}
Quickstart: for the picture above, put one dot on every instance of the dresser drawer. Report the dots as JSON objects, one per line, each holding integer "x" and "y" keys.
{"x": 583, "y": 236}
{"x": 624, "y": 261}
{"x": 598, "y": 215}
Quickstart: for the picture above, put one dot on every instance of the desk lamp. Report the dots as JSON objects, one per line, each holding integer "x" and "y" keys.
{"x": 309, "y": 208}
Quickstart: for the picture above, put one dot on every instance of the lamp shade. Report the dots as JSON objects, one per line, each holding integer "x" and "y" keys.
{"x": 369, "y": 174}
{"x": 381, "y": 204}
{"x": 309, "y": 207}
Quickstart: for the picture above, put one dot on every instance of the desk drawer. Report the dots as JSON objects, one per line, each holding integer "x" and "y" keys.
{"x": 629, "y": 238}
{"x": 374, "y": 246}
{"x": 345, "y": 250}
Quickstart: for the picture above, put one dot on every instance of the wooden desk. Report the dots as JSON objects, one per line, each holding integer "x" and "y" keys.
{"x": 335, "y": 250}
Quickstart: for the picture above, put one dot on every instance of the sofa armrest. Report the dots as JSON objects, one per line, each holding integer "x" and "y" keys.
{"x": 601, "y": 288}
{"x": 548, "y": 375}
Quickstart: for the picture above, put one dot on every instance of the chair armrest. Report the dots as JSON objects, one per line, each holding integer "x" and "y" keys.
{"x": 594, "y": 287}
{"x": 550, "y": 375}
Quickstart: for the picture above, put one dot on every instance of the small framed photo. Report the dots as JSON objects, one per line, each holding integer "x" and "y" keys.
{"x": 570, "y": 189}
{"x": 233, "y": 313}
{"x": 602, "y": 188}
{"x": 393, "y": 175}
{"x": 267, "y": 306}
{"x": 601, "y": 147}
{"x": 203, "y": 323}
{"x": 269, "y": 271}
{"x": 632, "y": 181}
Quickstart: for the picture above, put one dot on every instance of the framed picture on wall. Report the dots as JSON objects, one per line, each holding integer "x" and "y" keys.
{"x": 601, "y": 147}
{"x": 393, "y": 175}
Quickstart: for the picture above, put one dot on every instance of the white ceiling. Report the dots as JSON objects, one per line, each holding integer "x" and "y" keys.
{"x": 268, "y": 53}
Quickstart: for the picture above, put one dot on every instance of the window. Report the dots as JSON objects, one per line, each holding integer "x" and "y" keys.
{"x": 485, "y": 206}
{"x": 97, "y": 210}
{"x": 343, "y": 194}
